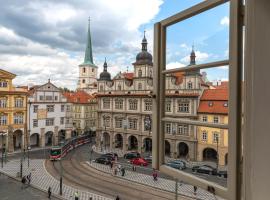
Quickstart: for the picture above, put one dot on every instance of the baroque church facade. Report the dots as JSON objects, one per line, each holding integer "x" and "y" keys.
{"x": 125, "y": 108}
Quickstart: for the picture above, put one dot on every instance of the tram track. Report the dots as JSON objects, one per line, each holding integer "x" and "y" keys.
{"x": 79, "y": 175}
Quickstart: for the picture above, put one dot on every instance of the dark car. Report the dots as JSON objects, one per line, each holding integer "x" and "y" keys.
{"x": 223, "y": 174}
{"x": 205, "y": 169}
{"x": 110, "y": 155}
{"x": 104, "y": 160}
{"x": 132, "y": 155}
{"x": 177, "y": 164}
{"x": 148, "y": 159}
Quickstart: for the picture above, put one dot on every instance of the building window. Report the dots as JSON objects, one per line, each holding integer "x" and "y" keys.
{"x": 168, "y": 128}
{"x": 168, "y": 106}
{"x": 35, "y": 108}
{"x": 132, "y": 124}
{"x": 35, "y": 123}
{"x": 139, "y": 86}
{"x": 119, "y": 87}
{"x": 83, "y": 81}
{"x": 215, "y": 137}
{"x": 182, "y": 129}
{"x": 140, "y": 73}
{"x": 118, "y": 122}
{"x": 41, "y": 98}
{"x": 106, "y": 103}
{"x": 119, "y": 104}
{"x": 48, "y": 98}
{"x": 62, "y": 108}
{"x": 101, "y": 88}
{"x": 148, "y": 105}
{"x": 50, "y": 108}
{"x": 84, "y": 70}
{"x": 133, "y": 104}
{"x": 18, "y": 119}
{"x": 216, "y": 120}
{"x": 3, "y": 119}
{"x": 189, "y": 85}
{"x": 107, "y": 122}
{"x": 67, "y": 121}
{"x": 204, "y": 136}
{"x": 226, "y": 104}
{"x": 3, "y": 103}
{"x": 204, "y": 118}
{"x": 50, "y": 122}
{"x": 55, "y": 98}
{"x": 62, "y": 120}
{"x": 68, "y": 108}
{"x": 183, "y": 107}
{"x": 3, "y": 83}
{"x": 18, "y": 103}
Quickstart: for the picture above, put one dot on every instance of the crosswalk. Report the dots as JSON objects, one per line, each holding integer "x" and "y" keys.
{"x": 43, "y": 180}
{"x": 161, "y": 183}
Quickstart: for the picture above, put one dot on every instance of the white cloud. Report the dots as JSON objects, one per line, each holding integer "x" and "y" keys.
{"x": 174, "y": 65}
{"x": 225, "y": 21}
{"x": 200, "y": 57}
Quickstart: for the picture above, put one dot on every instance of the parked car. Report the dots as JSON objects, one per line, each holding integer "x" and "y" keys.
{"x": 223, "y": 174}
{"x": 132, "y": 155}
{"x": 148, "y": 159}
{"x": 177, "y": 164}
{"x": 139, "y": 161}
{"x": 104, "y": 160}
{"x": 205, "y": 169}
{"x": 111, "y": 155}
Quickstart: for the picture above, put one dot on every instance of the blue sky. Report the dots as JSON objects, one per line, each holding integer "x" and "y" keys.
{"x": 46, "y": 39}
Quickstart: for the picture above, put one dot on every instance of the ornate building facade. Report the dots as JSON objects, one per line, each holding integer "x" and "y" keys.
{"x": 13, "y": 114}
{"x": 88, "y": 70}
{"x": 125, "y": 108}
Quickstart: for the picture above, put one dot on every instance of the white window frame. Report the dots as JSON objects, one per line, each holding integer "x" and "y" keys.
{"x": 205, "y": 118}
{"x": 3, "y": 119}
{"x": 233, "y": 191}
{"x": 204, "y": 135}
{"x": 106, "y": 103}
{"x": 50, "y": 108}
{"x": 35, "y": 123}
{"x": 3, "y": 102}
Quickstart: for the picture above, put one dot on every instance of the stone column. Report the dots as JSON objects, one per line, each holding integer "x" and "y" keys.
{"x": 42, "y": 137}
{"x": 125, "y": 142}
{"x": 111, "y": 141}
{"x": 173, "y": 149}
{"x": 140, "y": 144}
{"x": 68, "y": 133}
{"x": 56, "y": 136}
{"x": 10, "y": 145}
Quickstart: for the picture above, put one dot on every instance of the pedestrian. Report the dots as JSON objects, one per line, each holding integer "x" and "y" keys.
{"x": 49, "y": 192}
{"x": 123, "y": 171}
{"x": 115, "y": 171}
{"x": 119, "y": 167}
{"x": 23, "y": 182}
{"x": 111, "y": 165}
{"x": 155, "y": 175}
{"x": 117, "y": 198}
{"x": 133, "y": 168}
{"x": 195, "y": 190}
{"x": 76, "y": 195}
{"x": 29, "y": 178}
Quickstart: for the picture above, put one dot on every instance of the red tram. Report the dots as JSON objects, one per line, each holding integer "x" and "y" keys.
{"x": 57, "y": 152}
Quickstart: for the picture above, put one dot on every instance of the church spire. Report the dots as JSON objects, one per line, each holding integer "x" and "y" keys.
{"x": 105, "y": 66}
{"x": 144, "y": 43}
{"x": 192, "y": 56}
{"x": 88, "y": 58}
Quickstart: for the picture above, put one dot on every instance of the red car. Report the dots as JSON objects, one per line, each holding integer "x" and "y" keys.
{"x": 139, "y": 161}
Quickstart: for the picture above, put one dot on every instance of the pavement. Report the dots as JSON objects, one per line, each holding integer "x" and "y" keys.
{"x": 10, "y": 189}
{"x": 161, "y": 183}
{"x": 42, "y": 180}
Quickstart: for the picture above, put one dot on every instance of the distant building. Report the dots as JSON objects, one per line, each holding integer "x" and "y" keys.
{"x": 48, "y": 110}
{"x": 13, "y": 113}
{"x": 88, "y": 70}
{"x": 125, "y": 108}
{"x": 213, "y": 142}
{"x": 84, "y": 112}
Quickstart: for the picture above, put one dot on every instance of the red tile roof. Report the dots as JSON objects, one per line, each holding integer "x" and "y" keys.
{"x": 215, "y": 94}
{"x": 223, "y": 85}
{"x": 80, "y": 97}
{"x": 128, "y": 75}
{"x": 213, "y": 101}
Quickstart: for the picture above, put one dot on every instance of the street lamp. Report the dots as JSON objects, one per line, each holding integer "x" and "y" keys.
{"x": 3, "y": 148}
{"x": 217, "y": 140}
{"x": 61, "y": 171}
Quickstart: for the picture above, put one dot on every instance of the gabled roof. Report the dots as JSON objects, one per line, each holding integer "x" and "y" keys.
{"x": 79, "y": 97}
{"x": 215, "y": 94}
{"x": 4, "y": 73}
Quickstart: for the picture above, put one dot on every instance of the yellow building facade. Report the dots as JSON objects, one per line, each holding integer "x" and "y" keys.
{"x": 13, "y": 114}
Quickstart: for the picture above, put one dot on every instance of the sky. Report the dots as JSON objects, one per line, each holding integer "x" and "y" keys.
{"x": 41, "y": 40}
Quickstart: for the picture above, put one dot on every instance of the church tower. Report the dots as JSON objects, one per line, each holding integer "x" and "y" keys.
{"x": 88, "y": 70}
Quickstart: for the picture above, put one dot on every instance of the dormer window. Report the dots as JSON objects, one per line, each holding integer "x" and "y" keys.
{"x": 226, "y": 104}
{"x": 210, "y": 103}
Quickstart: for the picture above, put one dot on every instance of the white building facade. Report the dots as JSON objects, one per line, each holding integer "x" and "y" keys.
{"x": 49, "y": 116}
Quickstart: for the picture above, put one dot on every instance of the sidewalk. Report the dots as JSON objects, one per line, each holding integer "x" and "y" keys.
{"x": 161, "y": 183}
{"x": 32, "y": 149}
{"x": 43, "y": 180}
